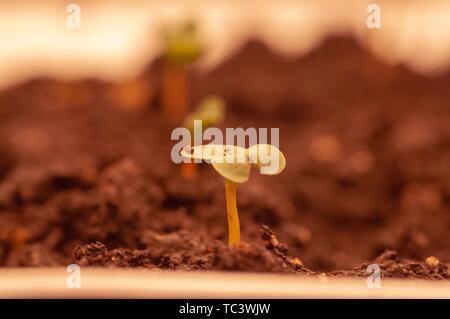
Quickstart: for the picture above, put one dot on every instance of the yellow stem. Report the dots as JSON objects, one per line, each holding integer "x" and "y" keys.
{"x": 234, "y": 232}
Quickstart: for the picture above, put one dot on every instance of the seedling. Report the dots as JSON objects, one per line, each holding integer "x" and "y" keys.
{"x": 211, "y": 111}
{"x": 182, "y": 47}
{"x": 233, "y": 163}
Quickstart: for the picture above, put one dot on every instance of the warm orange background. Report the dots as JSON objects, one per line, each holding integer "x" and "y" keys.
{"x": 117, "y": 38}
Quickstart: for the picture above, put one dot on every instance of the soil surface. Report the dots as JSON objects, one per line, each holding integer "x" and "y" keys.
{"x": 86, "y": 174}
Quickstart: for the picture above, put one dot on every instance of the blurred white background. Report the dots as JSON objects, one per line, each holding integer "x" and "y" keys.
{"x": 118, "y": 38}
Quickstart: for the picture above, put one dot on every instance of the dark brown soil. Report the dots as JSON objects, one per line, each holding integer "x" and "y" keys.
{"x": 368, "y": 169}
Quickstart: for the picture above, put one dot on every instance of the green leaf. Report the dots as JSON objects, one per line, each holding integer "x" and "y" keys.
{"x": 211, "y": 111}
{"x": 268, "y": 158}
{"x": 235, "y": 172}
{"x": 234, "y": 162}
{"x": 182, "y": 44}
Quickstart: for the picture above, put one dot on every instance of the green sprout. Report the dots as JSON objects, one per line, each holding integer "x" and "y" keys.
{"x": 211, "y": 111}
{"x": 233, "y": 163}
{"x": 182, "y": 46}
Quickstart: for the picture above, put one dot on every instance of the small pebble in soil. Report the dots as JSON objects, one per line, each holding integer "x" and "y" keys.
{"x": 432, "y": 262}
{"x": 325, "y": 148}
